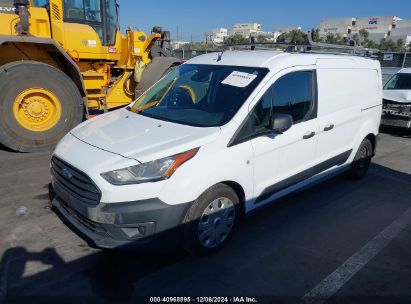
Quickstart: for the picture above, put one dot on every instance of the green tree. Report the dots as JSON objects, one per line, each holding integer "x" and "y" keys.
{"x": 371, "y": 44}
{"x": 389, "y": 45}
{"x": 401, "y": 44}
{"x": 261, "y": 38}
{"x": 364, "y": 34}
{"x": 332, "y": 39}
{"x": 294, "y": 36}
{"x": 316, "y": 35}
{"x": 237, "y": 39}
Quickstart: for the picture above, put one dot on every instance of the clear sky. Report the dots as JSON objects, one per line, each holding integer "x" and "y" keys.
{"x": 195, "y": 17}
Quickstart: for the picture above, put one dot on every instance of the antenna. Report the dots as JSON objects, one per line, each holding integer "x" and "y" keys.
{"x": 220, "y": 55}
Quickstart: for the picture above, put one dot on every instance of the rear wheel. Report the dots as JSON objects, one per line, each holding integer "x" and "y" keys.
{"x": 362, "y": 160}
{"x": 39, "y": 105}
{"x": 210, "y": 220}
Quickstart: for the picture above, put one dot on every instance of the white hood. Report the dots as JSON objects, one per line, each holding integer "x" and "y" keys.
{"x": 142, "y": 138}
{"x": 402, "y": 96}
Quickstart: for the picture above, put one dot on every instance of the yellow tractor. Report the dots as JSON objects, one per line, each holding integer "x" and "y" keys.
{"x": 61, "y": 61}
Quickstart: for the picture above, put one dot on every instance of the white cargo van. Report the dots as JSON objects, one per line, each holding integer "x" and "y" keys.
{"x": 218, "y": 137}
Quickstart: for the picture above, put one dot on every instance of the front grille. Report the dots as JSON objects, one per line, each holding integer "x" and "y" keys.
{"x": 396, "y": 108}
{"x": 75, "y": 182}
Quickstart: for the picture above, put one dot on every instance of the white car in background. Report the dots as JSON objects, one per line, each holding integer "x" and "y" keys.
{"x": 221, "y": 135}
{"x": 397, "y": 100}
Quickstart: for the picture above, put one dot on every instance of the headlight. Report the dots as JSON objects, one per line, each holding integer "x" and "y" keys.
{"x": 149, "y": 172}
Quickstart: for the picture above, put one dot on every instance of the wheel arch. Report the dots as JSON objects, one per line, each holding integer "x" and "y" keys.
{"x": 54, "y": 51}
{"x": 373, "y": 138}
{"x": 238, "y": 189}
{"x": 368, "y": 129}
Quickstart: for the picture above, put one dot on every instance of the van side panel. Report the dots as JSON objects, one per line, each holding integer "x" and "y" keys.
{"x": 347, "y": 88}
{"x": 339, "y": 111}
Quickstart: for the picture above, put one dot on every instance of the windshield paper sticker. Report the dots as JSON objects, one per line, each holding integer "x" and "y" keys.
{"x": 239, "y": 79}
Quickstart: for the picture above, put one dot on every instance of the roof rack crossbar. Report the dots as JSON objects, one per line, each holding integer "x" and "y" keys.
{"x": 307, "y": 47}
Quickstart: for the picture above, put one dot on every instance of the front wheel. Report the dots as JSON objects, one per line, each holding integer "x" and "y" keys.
{"x": 211, "y": 219}
{"x": 38, "y": 106}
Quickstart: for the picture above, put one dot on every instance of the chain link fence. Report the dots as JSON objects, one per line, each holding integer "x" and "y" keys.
{"x": 188, "y": 54}
{"x": 392, "y": 62}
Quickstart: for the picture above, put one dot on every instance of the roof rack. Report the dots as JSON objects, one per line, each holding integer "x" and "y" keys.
{"x": 310, "y": 47}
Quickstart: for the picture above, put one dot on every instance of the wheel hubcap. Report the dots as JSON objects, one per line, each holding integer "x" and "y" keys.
{"x": 37, "y": 109}
{"x": 216, "y": 222}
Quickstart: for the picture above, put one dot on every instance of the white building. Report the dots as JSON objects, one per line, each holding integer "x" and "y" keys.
{"x": 246, "y": 29}
{"x": 377, "y": 27}
{"x": 401, "y": 30}
{"x": 340, "y": 26}
{"x": 178, "y": 44}
{"x": 219, "y": 35}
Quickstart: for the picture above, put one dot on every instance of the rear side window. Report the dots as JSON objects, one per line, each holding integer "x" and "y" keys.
{"x": 83, "y": 10}
{"x": 292, "y": 94}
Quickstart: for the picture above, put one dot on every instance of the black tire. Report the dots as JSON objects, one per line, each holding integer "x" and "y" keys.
{"x": 362, "y": 160}
{"x": 17, "y": 77}
{"x": 191, "y": 238}
{"x": 149, "y": 79}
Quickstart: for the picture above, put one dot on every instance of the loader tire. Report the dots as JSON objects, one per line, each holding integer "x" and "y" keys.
{"x": 39, "y": 104}
{"x": 157, "y": 69}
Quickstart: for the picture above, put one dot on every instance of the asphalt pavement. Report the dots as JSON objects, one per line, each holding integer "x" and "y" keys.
{"x": 342, "y": 241}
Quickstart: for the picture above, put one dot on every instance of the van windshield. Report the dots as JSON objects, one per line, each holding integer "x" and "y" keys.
{"x": 400, "y": 81}
{"x": 200, "y": 95}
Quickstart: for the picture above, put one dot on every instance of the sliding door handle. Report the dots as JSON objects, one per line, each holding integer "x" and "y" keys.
{"x": 309, "y": 135}
{"x": 328, "y": 127}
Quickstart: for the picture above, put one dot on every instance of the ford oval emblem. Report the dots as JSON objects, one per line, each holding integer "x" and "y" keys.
{"x": 67, "y": 174}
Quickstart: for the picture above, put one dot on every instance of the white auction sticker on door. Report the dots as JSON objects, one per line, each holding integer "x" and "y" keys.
{"x": 239, "y": 79}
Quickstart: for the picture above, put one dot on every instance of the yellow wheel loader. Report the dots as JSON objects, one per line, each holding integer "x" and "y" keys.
{"x": 63, "y": 60}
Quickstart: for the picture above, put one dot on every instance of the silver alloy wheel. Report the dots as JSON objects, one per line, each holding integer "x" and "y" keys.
{"x": 216, "y": 222}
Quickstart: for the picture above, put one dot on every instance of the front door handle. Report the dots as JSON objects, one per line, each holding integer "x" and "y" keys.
{"x": 328, "y": 127}
{"x": 309, "y": 135}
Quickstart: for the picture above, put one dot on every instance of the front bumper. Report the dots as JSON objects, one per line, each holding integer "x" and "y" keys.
{"x": 144, "y": 224}
{"x": 396, "y": 121}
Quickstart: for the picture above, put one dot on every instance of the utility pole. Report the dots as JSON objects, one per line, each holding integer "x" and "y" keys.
{"x": 405, "y": 55}
{"x": 206, "y": 37}
{"x": 178, "y": 44}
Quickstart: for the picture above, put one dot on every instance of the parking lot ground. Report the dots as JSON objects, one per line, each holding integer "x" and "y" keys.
{"x": 292, "y": 248}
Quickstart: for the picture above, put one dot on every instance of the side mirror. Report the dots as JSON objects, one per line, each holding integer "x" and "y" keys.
{"x": 281, "y": 122}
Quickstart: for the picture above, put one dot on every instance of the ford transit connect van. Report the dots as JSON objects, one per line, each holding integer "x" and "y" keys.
{"x": 218, "y": 137}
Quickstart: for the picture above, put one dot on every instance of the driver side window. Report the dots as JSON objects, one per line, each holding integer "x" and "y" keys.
{"x": 290, "y": 94}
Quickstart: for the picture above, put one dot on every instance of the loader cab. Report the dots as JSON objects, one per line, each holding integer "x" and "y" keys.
{"x": 101, "y": 15}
